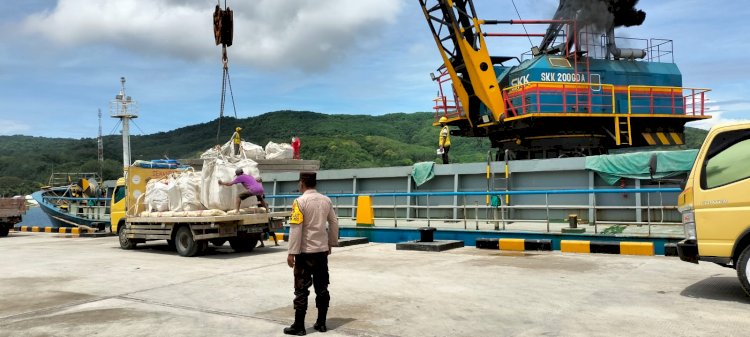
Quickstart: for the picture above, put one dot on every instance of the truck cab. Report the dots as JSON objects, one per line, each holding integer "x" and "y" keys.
{"x": 118, "y": 205}
{"x": 715, "y": 203}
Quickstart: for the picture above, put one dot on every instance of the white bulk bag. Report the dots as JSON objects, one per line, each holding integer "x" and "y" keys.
{"x": 253, "y": 151}
{"x": 247, "y": 150}
{"x": 157, "y": 198}
{"x": 189, "y": 184}
{"x": 279, "y": 151}
{"x": 215, "y": 196}
{"x": 174, "y": 194}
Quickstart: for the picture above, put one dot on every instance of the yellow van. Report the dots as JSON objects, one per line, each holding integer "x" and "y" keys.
{"x": 715, "y": 202}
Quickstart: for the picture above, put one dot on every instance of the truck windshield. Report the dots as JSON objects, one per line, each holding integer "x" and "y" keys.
{"x": 725, "y": 166}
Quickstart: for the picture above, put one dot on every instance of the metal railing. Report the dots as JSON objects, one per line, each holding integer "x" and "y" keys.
{"x": 472, "y": 212}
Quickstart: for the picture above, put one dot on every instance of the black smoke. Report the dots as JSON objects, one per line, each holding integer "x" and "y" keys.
{"x": 625, "y": 13}
{"x": 598, "y": 15}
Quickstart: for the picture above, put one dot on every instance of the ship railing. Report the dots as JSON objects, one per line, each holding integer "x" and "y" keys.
{"x": 560, "y": 97}
{"x": 672, "y": 100}
{"x": 85, "y": 207}
{"x": 445, "y": 106}
{"x": 470, "y": 208}
{"x": 563, "y": 97}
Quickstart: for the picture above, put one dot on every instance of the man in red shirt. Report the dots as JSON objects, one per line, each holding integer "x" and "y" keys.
{"x": 295, "y": 146}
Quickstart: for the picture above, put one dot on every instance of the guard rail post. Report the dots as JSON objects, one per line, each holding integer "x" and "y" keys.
{"x": 464, "y": 213}
{"x": 395, "y": 222}
{"x": 546, "y": 203}
{"x": 428, "y": 210}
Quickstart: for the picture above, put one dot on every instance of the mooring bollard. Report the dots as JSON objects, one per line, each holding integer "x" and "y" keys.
{"x": 426, "y": 234}
{"x": 573, "y": 220}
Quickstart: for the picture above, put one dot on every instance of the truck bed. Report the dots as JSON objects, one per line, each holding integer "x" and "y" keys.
{"x": 242, "y": 219}
{"x": 12, "y": 207}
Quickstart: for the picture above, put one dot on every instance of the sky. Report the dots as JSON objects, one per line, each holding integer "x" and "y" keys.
{"x": 61, "y": 60}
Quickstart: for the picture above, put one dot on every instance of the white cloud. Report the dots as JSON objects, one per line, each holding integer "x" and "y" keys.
{"x": 306, "y": 34}
{"x": 10, "y": 127}
{"x": 717, "y": 116}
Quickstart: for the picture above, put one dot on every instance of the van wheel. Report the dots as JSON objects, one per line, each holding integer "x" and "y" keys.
{"x": 184, "y": 242}
{"x": 742, "y": 270}
{"x": 125, "y": 243}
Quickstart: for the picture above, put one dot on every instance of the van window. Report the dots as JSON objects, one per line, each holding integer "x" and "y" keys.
{"x": 119, "y": 193}
{"x": 727, "y": 160}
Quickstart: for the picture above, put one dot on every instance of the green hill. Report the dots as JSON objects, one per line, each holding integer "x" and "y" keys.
{"x": 338, "y": 141}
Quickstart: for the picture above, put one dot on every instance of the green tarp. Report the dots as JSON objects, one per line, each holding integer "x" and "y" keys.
{"x": 635, "y": 165}
{"x": 423, "y": 172}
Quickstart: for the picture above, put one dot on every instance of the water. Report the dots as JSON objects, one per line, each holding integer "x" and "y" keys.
{"x": 35, "y": 217}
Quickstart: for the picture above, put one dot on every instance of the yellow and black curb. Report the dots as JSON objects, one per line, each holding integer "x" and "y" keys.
{"x": 605, "y": 247}
{"x": 514, "y": 244}
{"x": 64, "y": 230}
{"x": 570, "y": 246}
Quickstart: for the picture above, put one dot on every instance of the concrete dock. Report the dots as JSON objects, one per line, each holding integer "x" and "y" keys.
{"x": 54, "y": 285}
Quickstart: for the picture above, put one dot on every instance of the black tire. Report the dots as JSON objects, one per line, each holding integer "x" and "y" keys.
{"x": 4, "y": 231}
{"x": 242, "y": 245}
{"x": 742, "y": 270}
{"x": 218, "y": 242}
{"x": 184, "y": 242}
{"x": 125, "y": 243}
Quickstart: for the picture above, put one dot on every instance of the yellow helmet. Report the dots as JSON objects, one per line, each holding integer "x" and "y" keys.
{"x": 443, "y": 120}
{"x": 238, "y": 129}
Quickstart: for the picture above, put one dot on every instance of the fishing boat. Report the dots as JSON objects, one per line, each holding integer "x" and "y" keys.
{"x": 75, "y": 200}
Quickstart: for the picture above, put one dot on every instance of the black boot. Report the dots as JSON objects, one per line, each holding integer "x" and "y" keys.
{"x": 320, "y": 324}
{"x": 298, "y": 327}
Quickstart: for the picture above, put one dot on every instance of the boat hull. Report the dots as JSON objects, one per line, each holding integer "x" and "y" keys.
{"x": 80, "y": 215}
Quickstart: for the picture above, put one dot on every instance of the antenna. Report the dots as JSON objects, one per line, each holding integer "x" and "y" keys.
{"x": 124, "y": 108}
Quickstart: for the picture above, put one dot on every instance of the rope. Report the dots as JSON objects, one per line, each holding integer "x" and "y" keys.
{"x": 523, "y": 25}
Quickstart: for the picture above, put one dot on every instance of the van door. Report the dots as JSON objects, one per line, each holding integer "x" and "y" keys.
{"x": 722, "y": 201}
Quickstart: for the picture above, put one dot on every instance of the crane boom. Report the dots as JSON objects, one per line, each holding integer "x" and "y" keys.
{"x": 459, "y": 39}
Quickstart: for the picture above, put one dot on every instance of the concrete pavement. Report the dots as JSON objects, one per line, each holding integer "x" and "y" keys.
{"x": 56, "y": 286}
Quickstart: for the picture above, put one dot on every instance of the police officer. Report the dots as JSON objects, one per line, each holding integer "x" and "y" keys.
{"x": 310, "y": 244}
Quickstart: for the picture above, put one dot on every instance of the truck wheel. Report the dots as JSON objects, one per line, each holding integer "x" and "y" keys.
{"x": 243, "y": 244}
{"x": 4, "y": 231}
{"x": 218, "y": 242}
{"x": 125, "y": 243}
{"x": 184, "y": 242}
{"x": 742, "y": 270}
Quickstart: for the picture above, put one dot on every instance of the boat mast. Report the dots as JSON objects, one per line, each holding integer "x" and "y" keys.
{"x": 124, "y": 108}
{"x": 100, "y": 146}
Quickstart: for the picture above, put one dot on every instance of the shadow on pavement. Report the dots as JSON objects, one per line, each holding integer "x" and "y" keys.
{"x": 337, "y": 322}
{"x": 717, "y": 288}
{"x": 212, "y": 252}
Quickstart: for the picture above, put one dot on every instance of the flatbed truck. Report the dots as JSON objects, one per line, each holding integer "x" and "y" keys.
{"x": 189, "y": 235}
{"x": 11, "y": 210}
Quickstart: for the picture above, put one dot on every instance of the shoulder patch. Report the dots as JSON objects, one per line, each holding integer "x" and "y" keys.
{"x": 296, "y": 218}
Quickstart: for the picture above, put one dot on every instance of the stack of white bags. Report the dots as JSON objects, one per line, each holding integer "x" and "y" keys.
{"x": 190, "y": 193}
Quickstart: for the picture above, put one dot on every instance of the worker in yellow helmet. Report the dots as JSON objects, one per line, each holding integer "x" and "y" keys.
{"x": 445, "y": 139}
{"x": 236, "y": 140}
